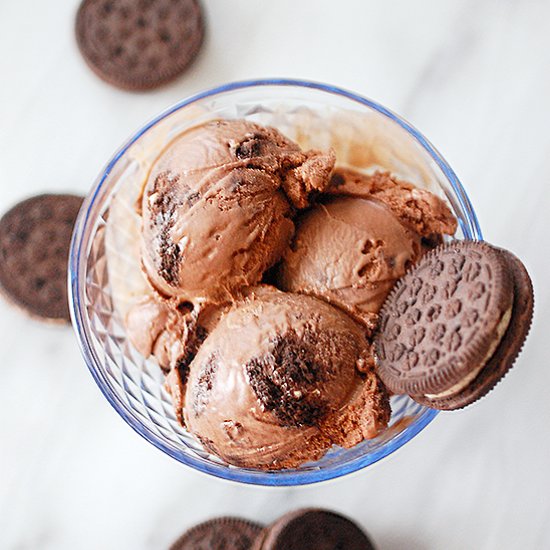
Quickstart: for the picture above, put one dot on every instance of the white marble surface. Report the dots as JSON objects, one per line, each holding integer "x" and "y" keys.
{"x": 473, "y": 76}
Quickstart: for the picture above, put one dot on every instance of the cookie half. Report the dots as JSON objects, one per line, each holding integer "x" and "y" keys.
{"x": 139, "y": 44}
{"x": 444, "y": 330}
{"x": 35, "y": 237}
{"x": 313, "y": 529}
{"x": 226, "y": 532}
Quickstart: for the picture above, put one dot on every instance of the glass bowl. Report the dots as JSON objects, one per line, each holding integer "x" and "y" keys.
{"x": 105, "y": 276}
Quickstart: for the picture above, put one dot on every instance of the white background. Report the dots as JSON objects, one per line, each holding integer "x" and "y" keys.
{"x": 474, "y": 77}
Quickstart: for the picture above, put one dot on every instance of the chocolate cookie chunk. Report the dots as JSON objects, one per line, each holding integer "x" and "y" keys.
{"x": 227, "y": 533}
{"x": 287, "y": 379}
{"x": 139, "y": 44}
{"x": 444, "y": 329}
{"x": 313, "y": 529}
{"x": 34, "y": 250}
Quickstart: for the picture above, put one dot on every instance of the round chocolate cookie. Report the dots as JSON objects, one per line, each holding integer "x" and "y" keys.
{"x": 221, "y": 533}
{"x": 139, "y": 44}
{"x": 444, "y": 327}
{"x": 35, "y": 236}
{"x": 506, "y": 352}
{"x": 313, "y": 529}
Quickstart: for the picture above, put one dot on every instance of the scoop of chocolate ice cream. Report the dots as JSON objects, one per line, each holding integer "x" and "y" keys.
{"x": 173, "y": 335}
{"x": 280, "y": 379}
{"x": 217, "y": 206}
{"x": 350, "y": 250}
{"x": 419, "y": 209}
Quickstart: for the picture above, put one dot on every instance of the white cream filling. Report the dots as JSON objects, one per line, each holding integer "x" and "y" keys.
{"x": 461, "y": 384}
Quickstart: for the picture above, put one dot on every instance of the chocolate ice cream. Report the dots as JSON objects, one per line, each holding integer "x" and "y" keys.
{"x": 280, "y": 379}
{"x": 264, "y": 378}
{"x": 350, "y": 250}
{"x": 217, "y": 207}
{"x": 173, "y": 335}
{"x": 418, "y": 209}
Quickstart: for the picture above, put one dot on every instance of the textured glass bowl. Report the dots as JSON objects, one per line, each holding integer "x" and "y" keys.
{"x": 104, "y": 261}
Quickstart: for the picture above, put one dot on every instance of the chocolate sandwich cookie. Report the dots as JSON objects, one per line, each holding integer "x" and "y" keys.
{"x": 226, "y": 532}
{"x": 35, "y": 236}
{"x": 454, "y": 324}
{"x": 139, "y": 44}
{"x": 313, "y": 529}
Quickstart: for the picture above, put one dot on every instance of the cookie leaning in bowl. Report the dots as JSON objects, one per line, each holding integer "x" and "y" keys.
{"x": 313, "y": 529}
{"x": 139, "y": 44}
{"x": 35, "y": 236}
{"x": 228, "y": 533}
{"x": 454, "y": 324}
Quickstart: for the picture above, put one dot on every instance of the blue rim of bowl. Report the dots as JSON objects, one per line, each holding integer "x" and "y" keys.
{"x": 77, "y": 265}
